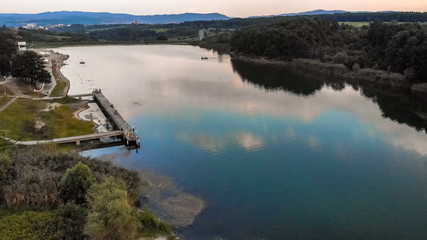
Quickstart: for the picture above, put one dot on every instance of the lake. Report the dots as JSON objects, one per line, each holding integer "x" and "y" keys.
{"x": 274, "y": 154}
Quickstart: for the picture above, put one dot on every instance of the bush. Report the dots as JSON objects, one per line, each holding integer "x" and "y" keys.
{"x": 151, "y": 225}
{"x": 29, "y": 226}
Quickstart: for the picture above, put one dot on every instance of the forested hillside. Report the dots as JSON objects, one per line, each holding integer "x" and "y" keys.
{"x": 400, "y": 48}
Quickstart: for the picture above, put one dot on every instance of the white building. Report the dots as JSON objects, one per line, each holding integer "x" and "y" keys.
{"x": 22, "y": 46}
{"x": 201, "y": 34}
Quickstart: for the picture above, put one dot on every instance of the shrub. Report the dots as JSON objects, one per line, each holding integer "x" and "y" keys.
{"x": 29, "y": 226}
{"x": 151, "y": 225}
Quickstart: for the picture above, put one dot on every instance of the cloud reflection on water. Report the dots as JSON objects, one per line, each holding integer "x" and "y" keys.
{"x": 169, "y": 80}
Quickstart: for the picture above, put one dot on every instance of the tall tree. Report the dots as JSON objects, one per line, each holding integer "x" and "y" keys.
{"x": 8, "y": 48}
{"x": 29, "y": 66}
{"x": 75, "y": 183}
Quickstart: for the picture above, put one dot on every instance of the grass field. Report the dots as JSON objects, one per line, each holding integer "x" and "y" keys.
{"x": 18, "y": 117}
{"x": 355, "y": 24}
{"x": 4, "y": 100}
{"x": 58, "y": 91}
{"x": 63, "y": 124}
{"x": 19, "y": 121}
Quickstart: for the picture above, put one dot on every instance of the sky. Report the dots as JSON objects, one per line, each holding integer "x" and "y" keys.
{"x": 232, "y": 8}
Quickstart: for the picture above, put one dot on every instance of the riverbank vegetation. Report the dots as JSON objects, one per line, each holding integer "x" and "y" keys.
{"x": 49, "y": 195}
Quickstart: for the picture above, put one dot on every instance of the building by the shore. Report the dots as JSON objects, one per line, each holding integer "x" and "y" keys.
{"x": 22, "y": 46}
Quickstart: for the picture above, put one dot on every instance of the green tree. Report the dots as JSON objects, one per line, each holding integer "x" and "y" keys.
{"x": 8, "y": 48}
{"x": 75, "y": 183}
{"x": 111, "y": 216}
{"x": 29, "y": 67}
{"x": 71, "y": 221}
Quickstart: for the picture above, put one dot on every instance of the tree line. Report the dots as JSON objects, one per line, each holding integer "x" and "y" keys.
{"x": 400, "y": 48}
{"x": 379, "y": 16}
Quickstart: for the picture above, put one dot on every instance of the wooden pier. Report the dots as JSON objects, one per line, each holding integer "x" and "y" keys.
{"x": 74, "y": 139}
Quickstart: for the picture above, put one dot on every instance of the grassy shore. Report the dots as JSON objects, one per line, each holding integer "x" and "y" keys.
{"x": 38, "y": 120}
{"x": 59, "y": 88}
{"x": 61, "y": 82}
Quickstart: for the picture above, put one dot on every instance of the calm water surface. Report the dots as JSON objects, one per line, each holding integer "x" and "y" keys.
{"x": 275, "y": 154}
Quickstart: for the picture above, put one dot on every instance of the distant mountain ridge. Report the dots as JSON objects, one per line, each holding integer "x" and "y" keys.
{"x": 92, "y": 18}
{"x": 77, "y": 17}
{"x": 320, "y": 12}
{"x": 314, "y": 12}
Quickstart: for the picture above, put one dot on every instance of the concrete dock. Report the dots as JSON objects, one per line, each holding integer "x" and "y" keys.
{"x": 119, "y": 124}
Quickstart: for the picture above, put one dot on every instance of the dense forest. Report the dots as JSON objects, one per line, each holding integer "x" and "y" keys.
{"x": 374, "y": 17}
{"x": 400, "y": 48}
{"x": 49, "y": 195}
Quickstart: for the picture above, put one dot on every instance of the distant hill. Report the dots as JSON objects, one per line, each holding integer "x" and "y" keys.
{"x": 314, "y": 12}
{"x": 66, "y": 17}
{"x": 320, "y": 12}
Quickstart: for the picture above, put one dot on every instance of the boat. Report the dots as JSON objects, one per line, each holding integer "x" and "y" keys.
{"x": 82, "y": 62}
{"x": 204, "y": 58}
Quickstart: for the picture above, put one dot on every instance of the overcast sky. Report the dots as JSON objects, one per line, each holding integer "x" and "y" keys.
{"x": 232, "y": 8}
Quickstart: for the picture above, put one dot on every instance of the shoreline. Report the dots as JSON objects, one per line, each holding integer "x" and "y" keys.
{"x": 167, "y": 199}
{"x": 338, "y": 71}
